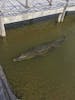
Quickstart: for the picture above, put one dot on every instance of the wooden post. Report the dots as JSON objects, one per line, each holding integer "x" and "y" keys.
{"x": 2, "y": 28}
{"x": 62, "y": 15}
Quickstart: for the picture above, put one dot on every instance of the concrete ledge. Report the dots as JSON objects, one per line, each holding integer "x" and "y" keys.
{"x": 31, "y": 21}
{"x": 28, "y": 16}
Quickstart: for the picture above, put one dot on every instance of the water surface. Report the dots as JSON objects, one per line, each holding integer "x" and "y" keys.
{"x": 50, "y": 77}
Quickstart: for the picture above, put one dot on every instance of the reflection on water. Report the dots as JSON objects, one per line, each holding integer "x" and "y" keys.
{"x": 50, "y": 77}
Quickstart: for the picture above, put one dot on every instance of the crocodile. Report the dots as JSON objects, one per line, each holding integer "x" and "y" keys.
{"x": 40, "y": 49}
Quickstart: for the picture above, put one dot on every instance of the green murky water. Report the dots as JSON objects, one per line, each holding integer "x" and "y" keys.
{"x": 50, "y": 77}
